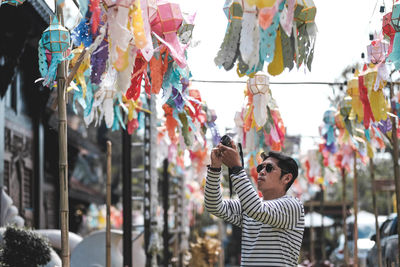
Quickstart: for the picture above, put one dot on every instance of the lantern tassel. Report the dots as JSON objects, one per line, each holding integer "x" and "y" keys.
{"x": 260, "y": 111}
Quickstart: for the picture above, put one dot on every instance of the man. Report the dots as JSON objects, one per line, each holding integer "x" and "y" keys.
{"x": 272, "y": 228}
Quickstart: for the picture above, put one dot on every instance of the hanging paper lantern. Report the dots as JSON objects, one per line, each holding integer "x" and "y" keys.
{"x": 166, "y": 24}
{"x": 387, "y": 27}
{"x": 305, "y": 11}
{"x": 258, "y": 86}
{"x": 377, "y": 51}
{"x": 395, "y": 19}
{"x": 55, "y": 39}
{"x": 12, "y": 2}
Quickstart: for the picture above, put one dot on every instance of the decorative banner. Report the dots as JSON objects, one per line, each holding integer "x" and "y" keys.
{"x": 115, "y": 54}
{"x": 259, "y": 123}
{"x": 280, "y": 32}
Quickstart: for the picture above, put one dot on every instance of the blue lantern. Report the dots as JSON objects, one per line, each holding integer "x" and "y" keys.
{"x": 56, "y": 39}
{"x": 395, "y": 55}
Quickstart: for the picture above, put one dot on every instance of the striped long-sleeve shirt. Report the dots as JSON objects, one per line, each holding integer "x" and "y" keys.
{"x": 272, "y": 231}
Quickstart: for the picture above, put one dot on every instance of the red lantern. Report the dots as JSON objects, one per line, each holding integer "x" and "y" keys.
{"x": 387, "y": 27}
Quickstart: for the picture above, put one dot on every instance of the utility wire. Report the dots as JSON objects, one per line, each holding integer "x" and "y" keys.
{"x": 282, "y": 83}
{"x": 285, "y": 83}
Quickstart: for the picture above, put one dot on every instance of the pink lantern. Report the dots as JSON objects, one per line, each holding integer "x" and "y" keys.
{"x": 165, "y": 25}
{"x": 168, "y": 19}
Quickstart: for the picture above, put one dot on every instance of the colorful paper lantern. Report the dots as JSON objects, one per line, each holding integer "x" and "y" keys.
{"x": 387, "y": 27}
{"x": 56, "y": 40}
{"x": 12, "y": 2}
{"x": 166, "y": 24}
{"x": 395, "y": 19}
{"x": 305, "y": 11}
{"x": 394, "y": 56}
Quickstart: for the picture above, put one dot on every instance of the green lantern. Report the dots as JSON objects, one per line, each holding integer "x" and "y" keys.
{"x": 56, "y": 38}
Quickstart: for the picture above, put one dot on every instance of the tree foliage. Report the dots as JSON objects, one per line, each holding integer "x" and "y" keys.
{"x": 22, "y": 247}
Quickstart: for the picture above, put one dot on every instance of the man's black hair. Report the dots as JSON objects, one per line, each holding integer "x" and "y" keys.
{"x": 286, "y": 163}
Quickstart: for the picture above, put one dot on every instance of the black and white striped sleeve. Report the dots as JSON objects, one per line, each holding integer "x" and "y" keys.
{"x": 283, "y": 212}
{"x": 229, "y": 210}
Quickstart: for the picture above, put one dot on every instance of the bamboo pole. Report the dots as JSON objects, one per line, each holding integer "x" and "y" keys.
{"x": 344, "y": 215}
{"x": 108, "y": 221}
{"x": 355, "y": 208}
{"x": 63, "y": 152}
{"x": 395, "y": 156}
{"x": 378, "y": 234}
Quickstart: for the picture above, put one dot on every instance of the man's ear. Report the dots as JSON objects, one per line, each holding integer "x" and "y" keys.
{"x": 287, "y": 178}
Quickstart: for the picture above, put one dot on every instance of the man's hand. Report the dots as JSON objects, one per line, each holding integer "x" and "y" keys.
{"x": 216, "y": 160}
{"x": 230, "y": 156}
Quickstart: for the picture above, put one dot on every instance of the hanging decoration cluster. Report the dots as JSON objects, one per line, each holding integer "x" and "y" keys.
{"x": 279, "y": 33}
{"x": 119, "y": 48}
{"x": 361, "y": 122}
{"x": 259, "y": 123}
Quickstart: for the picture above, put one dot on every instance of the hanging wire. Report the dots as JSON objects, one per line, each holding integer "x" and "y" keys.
{"x": 280, "y": 83}
{"x": 373, "y": 12}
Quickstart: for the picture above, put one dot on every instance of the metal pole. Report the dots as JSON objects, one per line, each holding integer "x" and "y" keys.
{"x": 378, "y": 234}
{"x": 108, "y": 222}
{"x": 63, "y": 152}
{"x": 344, "y": 215}
{"x": 355, "y": 207}
{"x": 395, "y": 156}
{"x": 147, "y": 186}
{"x": 166, "y": 208}
{"x": 127, "y": 198}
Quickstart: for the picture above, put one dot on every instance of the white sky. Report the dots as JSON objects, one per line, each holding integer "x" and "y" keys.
{"x": 343, "y": 34}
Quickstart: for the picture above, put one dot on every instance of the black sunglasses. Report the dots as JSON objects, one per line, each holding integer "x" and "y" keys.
{"x": 268, "y": 167}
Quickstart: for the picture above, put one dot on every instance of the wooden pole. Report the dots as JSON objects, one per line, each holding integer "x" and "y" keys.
{"x": 108, "y": 220}
{"x": 395, "y": 156}
{"x": 355, "y": 207}
{"x": 63, "y": 152}
{"x": 378, "y": 234}
{"x": 344, "y": 215}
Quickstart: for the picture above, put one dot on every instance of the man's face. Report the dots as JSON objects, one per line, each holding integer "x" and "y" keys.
{"x": 269, "y": 178}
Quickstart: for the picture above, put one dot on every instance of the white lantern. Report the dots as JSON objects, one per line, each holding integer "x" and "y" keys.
{"x": 259, "y": 84}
